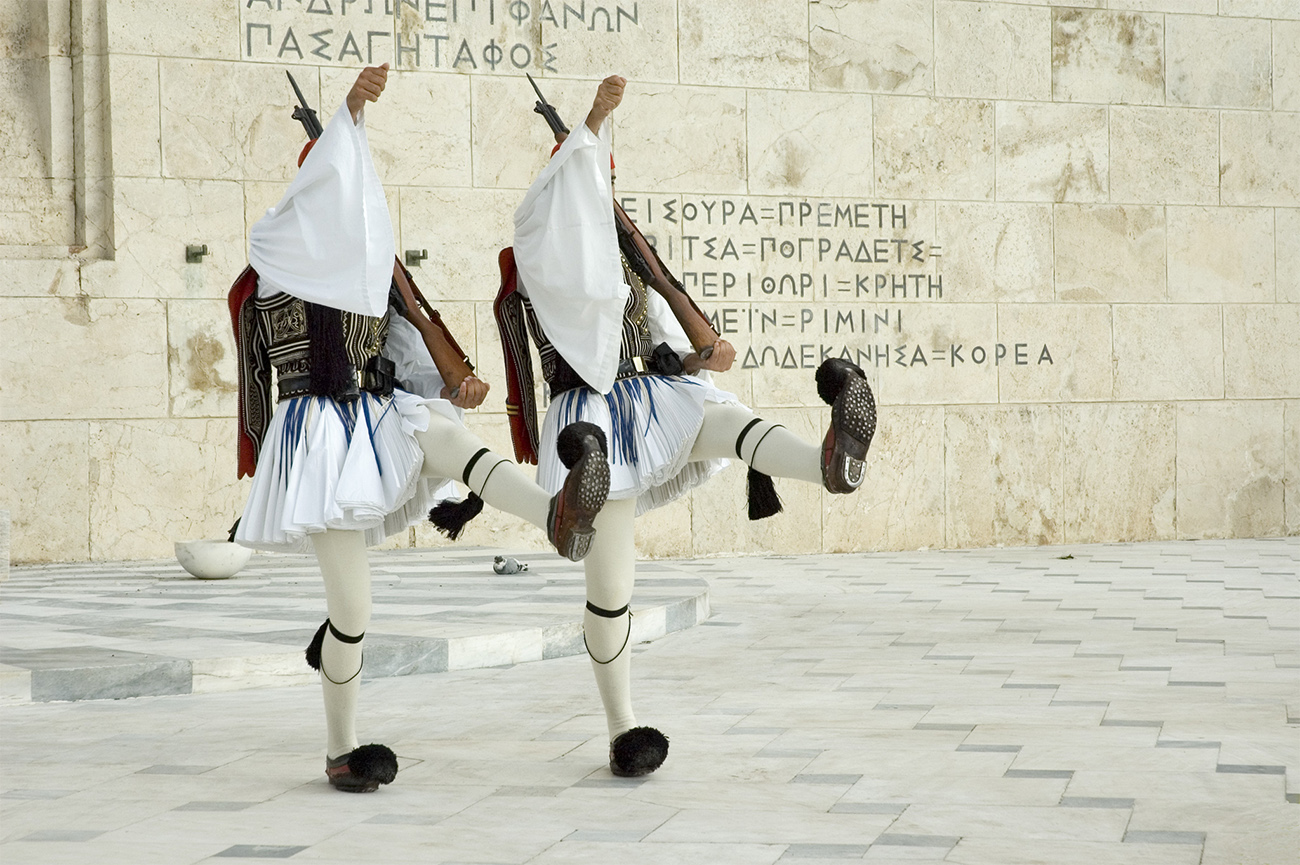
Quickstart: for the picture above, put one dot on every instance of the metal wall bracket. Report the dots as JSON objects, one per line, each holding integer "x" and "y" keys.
{"x": 194, "y": 253}
{"x": 415, "y": 256}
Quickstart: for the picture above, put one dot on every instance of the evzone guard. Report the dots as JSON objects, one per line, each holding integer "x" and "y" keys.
{"x": 367, "y": 423}
{"x": 625, "y": 351}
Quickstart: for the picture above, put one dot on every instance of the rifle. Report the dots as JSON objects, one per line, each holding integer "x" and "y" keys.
{"x": 547, "y": 110}
{"x": 641, "y": 255}
{"x": 303, "y": 113}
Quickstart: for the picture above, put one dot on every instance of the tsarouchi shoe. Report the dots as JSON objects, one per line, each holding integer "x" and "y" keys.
{"x": 638, "y": 751}
{"x": 581, "y": 447}
{"x": 362, "y": 770}
{"x": 843, "y": 386}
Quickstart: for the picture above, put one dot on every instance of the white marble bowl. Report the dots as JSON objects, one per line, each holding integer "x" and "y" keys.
{"x": 212, "y": 560}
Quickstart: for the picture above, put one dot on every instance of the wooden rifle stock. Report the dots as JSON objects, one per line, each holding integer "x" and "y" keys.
{"x": 693, "y": 321}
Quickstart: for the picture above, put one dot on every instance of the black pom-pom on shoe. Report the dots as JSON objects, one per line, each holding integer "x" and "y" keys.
{"x": 832, "y": 375}
{"x": 638, "y": 751}
{"x": 568, "y": 444}
{"x": 313, "y": 648}
{"x": 450, "y": 517}
{"x": 363, "y": 769}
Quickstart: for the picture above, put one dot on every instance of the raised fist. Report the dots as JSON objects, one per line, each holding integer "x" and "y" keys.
{"x": 370, "y": 83}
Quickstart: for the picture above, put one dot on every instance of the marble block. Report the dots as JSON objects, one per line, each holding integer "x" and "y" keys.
{"x": 1110, "y": 253}
{"x": 743, "y": 43}
{"x": 1261, "y": 346}
{"x": 1286, "y": 66}
{"x": 876, "y": 46}
{"x": 1201, "y": 7}
{"x": 337, "y": 34}
{"x": 1168, "y": 352}
{"x": 419, "y": 130}
{"x": 678, "y": 138}
{"x": 1287, "y": 239}
{"x": 15, "y": 686}
{"x": 1291, "y": 465}
{"x": 941, "y": 354}
{"x": 37, "y": 211}
{"x": 464, "y": 230}
{"x": 40, "y": 277}
{"x": 153, "y": 482}
{"x": 1260, "y": 8}
{"x": 112, "y": 353}
{"x": 4, "y": 544}
{"x": 26, "y": 118}
{"x": 933, "y": 148}
{"x": 1258, "y": 163}
{"x": 231, "y": 121}
{"x": 1164, "y": 155}
{"x": 1221, "y": 255}
{"x": 1002, "y": 475}
{"x": 32, "y": 30}
{"x": 43, "y": 465}
{"x": 208, "y": 29}
{"x": 1219, "y": 62}
{"x": 154, "y": 221}
{"x": 511, "y": 145}
{"x": 641, "y": 41}
{"x": 1053, "y": 152}
{"x": 1230, "y": 469}
{"x": 1107, "y": 56}
{"x": 135, "y": 135}
{"x": 998, "y": 252}
{"x": 1065, "y": 349}
{"x": 993, "y": 50}
{"x": 900, "y": 505}
{"x": 659, "y": 534}
{"x": 202, "y": 364}
{"x": 802, "y": 143}
{"x": 493, "y": 650}
{"x": 1119, "y": 472}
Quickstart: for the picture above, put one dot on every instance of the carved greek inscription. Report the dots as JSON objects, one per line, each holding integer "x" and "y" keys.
{"x": 456, "y": 35}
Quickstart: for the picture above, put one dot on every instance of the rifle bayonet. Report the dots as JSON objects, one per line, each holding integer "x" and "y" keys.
{"x": 303, "y": 113}
{"x": 547, "y": 110}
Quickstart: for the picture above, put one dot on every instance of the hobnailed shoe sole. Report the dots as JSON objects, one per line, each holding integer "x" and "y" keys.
{"x": 584, "y": 494}
{"x": 853, "y": 424}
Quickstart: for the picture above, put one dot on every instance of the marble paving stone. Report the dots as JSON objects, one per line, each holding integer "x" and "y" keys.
{"x": 1052, "y": 152}
{"x": 993, "y": 51}
{"x": 987, "y": 452}
{"x": 1066, "y": 352}
{"x": 997, "y": 252}
{"x": 1261, "y": 351}
{"x": 1257, "y": 160}
{"x": 1219, "y": 62}
{"x": 754, "y": 43}
{"x": 1168, "y": 352}
{"x": 1107, "y": 56}
{"x": 802, "y": 143}
{"x": 1165, "y": 155}
{"x": 1119, "y": 471}
{"x": 1286, "y": 66}
{"x": 1110, "y": 253}
{"x": 934, "y": 148}
{"x": 876, "y": 46}
{"x": 1220, "y": 255}
{"x": 1232, "y": 448}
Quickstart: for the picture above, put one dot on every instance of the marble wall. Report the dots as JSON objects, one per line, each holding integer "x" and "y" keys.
{"x": 1062, "y": 239}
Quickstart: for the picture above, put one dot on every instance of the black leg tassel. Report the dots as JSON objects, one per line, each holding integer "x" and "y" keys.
{"x": 450, "y": 517}
{"x": 763, "y": 500}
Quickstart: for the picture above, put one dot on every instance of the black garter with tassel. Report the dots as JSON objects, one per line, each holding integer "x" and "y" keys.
{"x": 314, "y": 647}
{"x": 761, "y": 492}
{"x": 450, "y": 517}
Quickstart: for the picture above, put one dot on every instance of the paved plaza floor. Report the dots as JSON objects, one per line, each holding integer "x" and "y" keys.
{"x": 1134, "y": 703}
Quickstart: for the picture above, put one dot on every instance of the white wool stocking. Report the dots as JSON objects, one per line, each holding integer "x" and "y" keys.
{"x": 343, "y": 564}
{"x": 610, "y": 567}
{"x": 767, "y": 447}
{"x": 448, "y": 448}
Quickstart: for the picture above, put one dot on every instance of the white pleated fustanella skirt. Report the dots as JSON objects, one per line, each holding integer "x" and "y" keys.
{"x": 331, "y": 465}
{"x": 650, "y": 424}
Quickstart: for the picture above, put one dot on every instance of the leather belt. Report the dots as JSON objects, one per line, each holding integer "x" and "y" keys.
{"x": 378, "y": 378}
